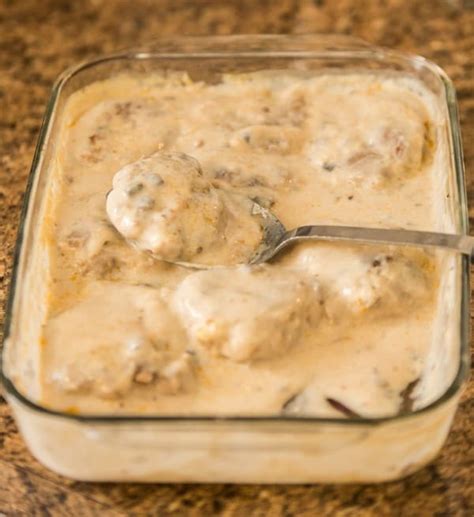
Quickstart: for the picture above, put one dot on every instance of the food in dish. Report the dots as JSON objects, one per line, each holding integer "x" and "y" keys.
{"x": 158, "y": 169}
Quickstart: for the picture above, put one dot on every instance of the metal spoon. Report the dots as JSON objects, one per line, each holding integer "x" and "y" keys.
{"x": 276, "y": 237}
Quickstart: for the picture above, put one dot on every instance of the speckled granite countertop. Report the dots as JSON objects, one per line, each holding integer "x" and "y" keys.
{"x": 37, "y": 41}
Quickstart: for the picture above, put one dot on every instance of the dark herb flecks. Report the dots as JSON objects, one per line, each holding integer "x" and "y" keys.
{"x": 124, "y": 109}
{"x": 329, "y": 167}
{"x": 406, "y": 395}
{"x": 145, "y": 203}
{"x": 255, "y": 181}
{"x": 289, "y": 402}
{"x": 223, "y": 173}
{"x": 342, "y": 408}
{"x": 134, "y": 189}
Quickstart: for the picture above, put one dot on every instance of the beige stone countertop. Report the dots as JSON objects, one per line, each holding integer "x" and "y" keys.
{"x": 38, "y": 40}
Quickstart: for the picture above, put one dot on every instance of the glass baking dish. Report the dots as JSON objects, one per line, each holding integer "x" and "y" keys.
{"x": 233, "y": 449}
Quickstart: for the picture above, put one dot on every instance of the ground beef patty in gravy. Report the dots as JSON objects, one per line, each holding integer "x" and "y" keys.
{"x": 162, "y": 204}
{"x": 164, "y": 167}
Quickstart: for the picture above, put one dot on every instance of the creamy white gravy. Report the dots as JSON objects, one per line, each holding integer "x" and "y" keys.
{"x": 327, "y": 329}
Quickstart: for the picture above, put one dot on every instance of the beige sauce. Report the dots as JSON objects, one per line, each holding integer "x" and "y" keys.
{"x": 327, "y": 329}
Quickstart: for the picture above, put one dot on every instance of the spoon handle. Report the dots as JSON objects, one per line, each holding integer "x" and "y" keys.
{"x": 461, "y": 243}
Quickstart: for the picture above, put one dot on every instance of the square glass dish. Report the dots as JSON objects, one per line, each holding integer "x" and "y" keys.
{"x": 243, "y": 449}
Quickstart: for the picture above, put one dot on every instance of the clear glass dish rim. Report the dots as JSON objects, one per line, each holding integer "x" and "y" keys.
{"x": 361, "y": 51}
